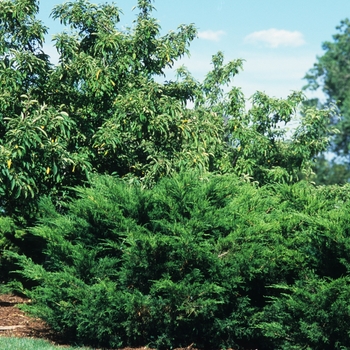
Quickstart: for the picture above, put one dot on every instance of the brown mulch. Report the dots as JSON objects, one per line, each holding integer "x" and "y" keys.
{"x": 15, "y": 323}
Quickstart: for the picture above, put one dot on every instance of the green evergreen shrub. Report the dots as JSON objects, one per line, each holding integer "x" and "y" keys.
{"x": 205, "y": 259}
{"x": 312, "y": 314}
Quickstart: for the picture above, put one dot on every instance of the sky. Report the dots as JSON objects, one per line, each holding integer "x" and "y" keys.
{"x": 278, "y": 39}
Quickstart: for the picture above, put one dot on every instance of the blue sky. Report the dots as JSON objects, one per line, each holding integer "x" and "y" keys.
{"x": 278, "y": 39}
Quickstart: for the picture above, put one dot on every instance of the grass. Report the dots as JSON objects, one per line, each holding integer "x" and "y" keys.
{"x": 30, "y": 344}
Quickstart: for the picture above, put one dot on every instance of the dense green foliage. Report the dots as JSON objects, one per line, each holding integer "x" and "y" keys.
{"x": 331, "y": 74}
{"x": 103, "y": 109}
{"x": 203, "y": 259}
{"x": 163, "y": 213}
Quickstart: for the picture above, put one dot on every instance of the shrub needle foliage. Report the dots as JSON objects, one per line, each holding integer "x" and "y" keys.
{"x": 205, "y": 259}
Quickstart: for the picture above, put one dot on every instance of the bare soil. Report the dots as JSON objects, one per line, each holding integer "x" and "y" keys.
{"x": 15, "y": 323}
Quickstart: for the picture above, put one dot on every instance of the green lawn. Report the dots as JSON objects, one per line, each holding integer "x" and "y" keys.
{"x": 30, "y": 344}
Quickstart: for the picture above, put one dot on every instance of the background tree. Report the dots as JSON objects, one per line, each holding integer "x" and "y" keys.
{"x": 102, "y": 109}
{"x": 35, "y": 134}
{"x": 331, "y": 73}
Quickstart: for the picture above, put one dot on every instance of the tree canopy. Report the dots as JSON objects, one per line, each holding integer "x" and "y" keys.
{"x": 331, "y": 74}
{"x": 102, "y": 108}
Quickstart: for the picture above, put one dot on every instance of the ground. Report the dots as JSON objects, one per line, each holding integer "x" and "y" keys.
{"x": 15, "y": 323}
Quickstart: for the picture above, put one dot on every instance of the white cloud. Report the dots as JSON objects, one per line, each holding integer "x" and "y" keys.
{"x": 211, "y": 35}
{"x": 276, "y": 37}
{"x": 275, "y": 73}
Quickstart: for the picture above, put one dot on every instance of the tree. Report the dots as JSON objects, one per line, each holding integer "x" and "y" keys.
{"x": 35, "y": 134}
{"x": 331, "y": 73}
{"x": 102, "y": 108}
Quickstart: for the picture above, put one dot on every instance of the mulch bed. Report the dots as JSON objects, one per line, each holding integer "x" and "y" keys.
{"x": 14, "y": 322}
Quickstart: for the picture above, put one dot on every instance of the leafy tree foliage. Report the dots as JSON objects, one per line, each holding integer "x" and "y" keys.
{"x": 35, "y": 135}
{"x": 331, "y": 74}
{"x": 330, "y": 171}
{"x": 102, "y": 109}
{"x": 204, "y": 259}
